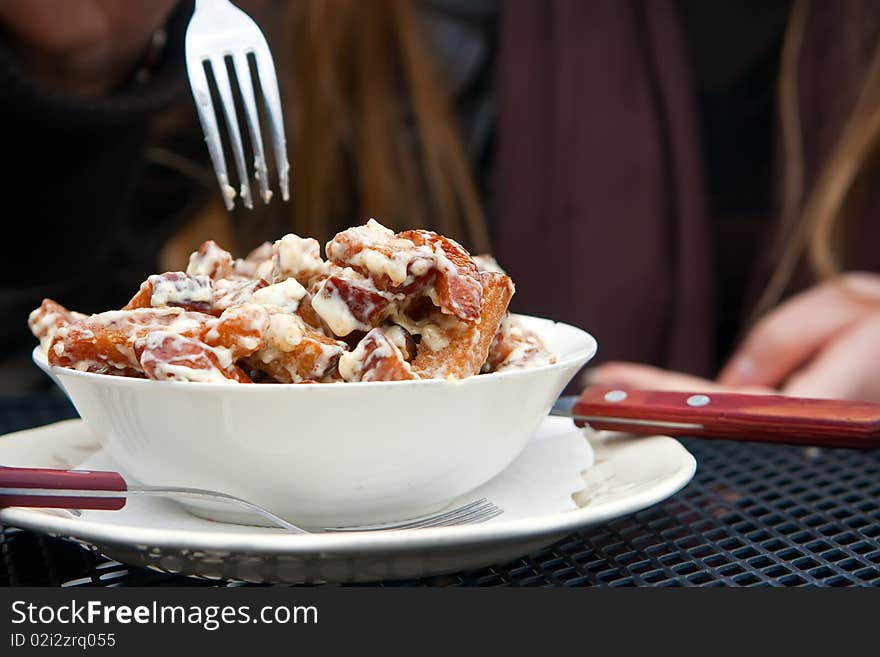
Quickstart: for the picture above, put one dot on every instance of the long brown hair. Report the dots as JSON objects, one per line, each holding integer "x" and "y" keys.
{"x": 812, "y": 220}
{"x": 353, "y": 64}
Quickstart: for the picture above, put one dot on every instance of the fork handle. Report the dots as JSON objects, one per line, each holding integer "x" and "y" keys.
{"x": 45, "y": 487}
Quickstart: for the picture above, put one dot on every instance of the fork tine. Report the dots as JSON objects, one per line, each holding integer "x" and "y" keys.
{"x": 221, "y": 76}
{"x": 470, "y": 512}
{"x": 441, "y": 518}
{"x": 246, "y": 86}
{"x": 201, "y": 93}
{"x": 269, "y": 84}
{"x": 483, "y": 511}
{"x": 473, "y": 512}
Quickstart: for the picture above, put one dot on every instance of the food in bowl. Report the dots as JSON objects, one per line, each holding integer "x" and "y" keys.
{"x": 325, "y": 455}
{"x": 407, "y": 324}
{"x": 408, "y": 306}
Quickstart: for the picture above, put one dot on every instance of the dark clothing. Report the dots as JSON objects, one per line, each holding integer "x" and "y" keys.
{"x": 69, "y": 176}
{"x": 735, "y": 50}
{"x": 601, "y": 170}
{"x": 599, "y": 173}
{"x": 619, "y": 159}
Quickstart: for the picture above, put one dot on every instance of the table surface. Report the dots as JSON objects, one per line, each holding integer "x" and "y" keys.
{"x": 754, "y": 515}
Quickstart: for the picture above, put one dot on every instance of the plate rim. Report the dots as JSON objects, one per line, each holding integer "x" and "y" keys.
{"x": 270, "y": 542}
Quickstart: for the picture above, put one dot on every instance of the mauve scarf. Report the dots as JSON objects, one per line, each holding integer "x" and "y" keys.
{"x": 600, "y": 193}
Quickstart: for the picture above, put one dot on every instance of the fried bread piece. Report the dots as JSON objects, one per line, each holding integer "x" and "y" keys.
{"x": 414, "y": 262}
{"x": 295, "y": 352}
{"x": 45, "y": 321}
{"x": 457, "y": 285}
{"x": 212, "y": 261}
{"x": 229, "y": 292}
{"x": 240, "y": 329}
{"x": 257, "y": 263}
{"x": 376, "y": 358}
{"x": 174, "y": 289}
{"x": 166, "y": 356}
{"x": 514, "y": 346}
{"x": 347, "y": 301}
{"x": 297, "y": 257}
{"x": 107, "y": 340}
{"x": 466, "y": 344}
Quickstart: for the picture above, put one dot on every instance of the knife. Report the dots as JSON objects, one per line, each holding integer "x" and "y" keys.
{"x": 733, "y": 416}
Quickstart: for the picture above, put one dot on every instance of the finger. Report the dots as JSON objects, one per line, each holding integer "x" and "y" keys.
{"x": 846, "y": 369}
{"x": 646, "y": 377}
{"x": 792, "y": 333}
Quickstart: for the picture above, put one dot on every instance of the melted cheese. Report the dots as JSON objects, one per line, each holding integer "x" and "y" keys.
{"x": 287, "y": 294}
{"x": 333, "y": 309}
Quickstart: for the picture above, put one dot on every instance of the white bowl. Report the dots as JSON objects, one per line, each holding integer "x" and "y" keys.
{"x": 326, "y": 455}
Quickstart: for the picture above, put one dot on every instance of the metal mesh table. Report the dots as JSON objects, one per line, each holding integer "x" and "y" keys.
{"x": 755, "y": 515}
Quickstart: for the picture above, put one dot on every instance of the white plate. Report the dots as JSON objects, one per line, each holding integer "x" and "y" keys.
{"x": 628, "y": 474}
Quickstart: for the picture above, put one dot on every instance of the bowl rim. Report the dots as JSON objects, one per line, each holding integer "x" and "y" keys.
{"x": 577, "y": 357}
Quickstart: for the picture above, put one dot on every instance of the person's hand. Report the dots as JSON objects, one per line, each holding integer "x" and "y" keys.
{"x": 619, "y": 374}
{"x": 82, "y": 47}
{"x": 824, "y": 342}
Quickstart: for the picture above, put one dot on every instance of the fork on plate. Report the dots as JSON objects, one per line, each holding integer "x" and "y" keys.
{"x": 219, "y": 36}
{"x": 108, "y": 491}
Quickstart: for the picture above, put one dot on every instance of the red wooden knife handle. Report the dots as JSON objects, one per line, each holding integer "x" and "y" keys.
{"x": 761, "y": 418}
{"x": 72, "y": 480}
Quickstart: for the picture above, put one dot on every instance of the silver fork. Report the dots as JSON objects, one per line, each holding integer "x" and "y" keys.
{"x": 218, "y": 30}
{"x": 474, "y": 512}
{"x": 107, "y": 490}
